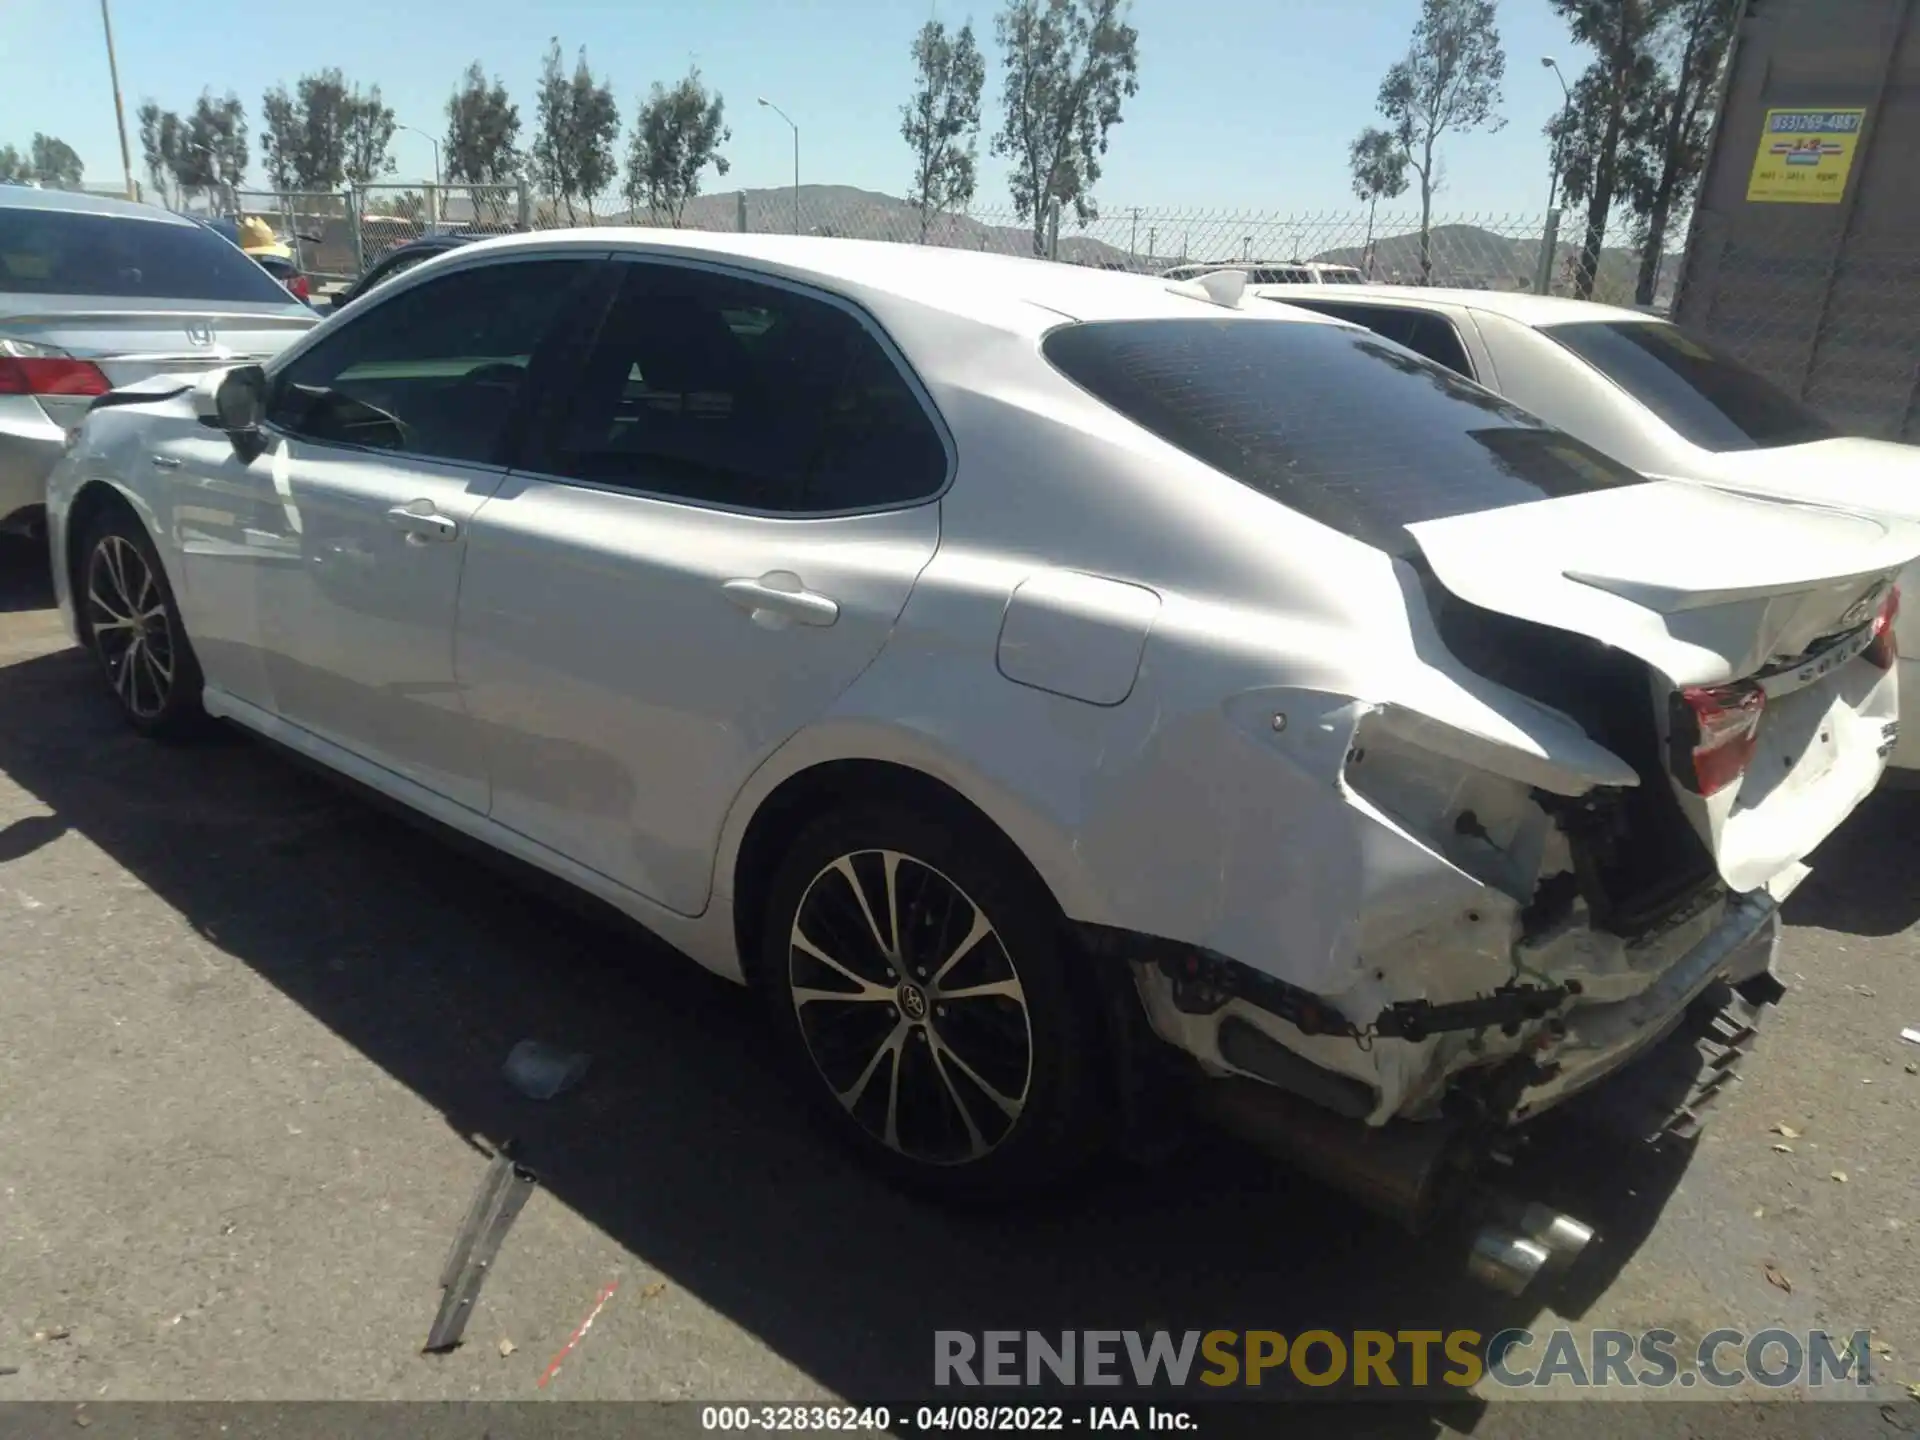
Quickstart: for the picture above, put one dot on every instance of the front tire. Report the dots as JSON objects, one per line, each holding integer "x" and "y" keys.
{"x": 917, "y": 976}
{"x": 133, "y": 627}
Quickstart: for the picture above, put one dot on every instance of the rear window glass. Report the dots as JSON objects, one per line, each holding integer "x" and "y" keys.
{"x": 1709, "y": 398}
{"x": 54, "y": 252}
{"x": 1330, "y": 421}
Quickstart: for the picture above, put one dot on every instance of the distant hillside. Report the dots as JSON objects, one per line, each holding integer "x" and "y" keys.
{"x": 856, "y": 214}
{"x": 1463, "y": 255}
{"x": 1476, "y": 258}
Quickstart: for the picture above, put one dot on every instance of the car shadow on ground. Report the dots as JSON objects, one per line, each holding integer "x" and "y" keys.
{"x": 1863, "y": 881}
{"x": 404, "y": 946}
{"x": 25, "y": 583}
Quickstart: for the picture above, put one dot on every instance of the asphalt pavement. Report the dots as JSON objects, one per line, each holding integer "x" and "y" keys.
{"x": 251, "y": 1038}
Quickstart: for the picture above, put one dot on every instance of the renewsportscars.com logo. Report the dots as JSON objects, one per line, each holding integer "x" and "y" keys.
{"x": 1412, "y": 1359}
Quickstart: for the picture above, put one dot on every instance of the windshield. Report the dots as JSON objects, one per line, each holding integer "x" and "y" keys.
{"x": 60, "y": 252}
{"x": 1707, "y": 397}
{"x": 1331, "y": 421}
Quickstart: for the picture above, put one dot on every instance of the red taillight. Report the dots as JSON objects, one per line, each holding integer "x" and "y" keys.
{"x": 1725, "y": 724}
{"x": 300, "y": 288}
{"x": 29, "y": 369}
{"x": 1880, "y": 648}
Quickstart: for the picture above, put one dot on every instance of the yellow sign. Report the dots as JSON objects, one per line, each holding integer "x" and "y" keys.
{"x": 1804, "y": 156}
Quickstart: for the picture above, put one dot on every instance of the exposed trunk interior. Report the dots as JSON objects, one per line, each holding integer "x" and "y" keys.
{"x": 1638, "y": 859}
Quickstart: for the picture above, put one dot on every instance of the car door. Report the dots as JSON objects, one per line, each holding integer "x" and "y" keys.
{"x": 710, "y": 541}
{"x": 382, "y": 440}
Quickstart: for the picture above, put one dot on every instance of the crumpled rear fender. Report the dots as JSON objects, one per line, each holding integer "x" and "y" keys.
{"x": 1213, "y": 807}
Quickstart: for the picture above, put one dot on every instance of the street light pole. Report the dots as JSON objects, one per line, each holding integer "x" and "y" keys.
{"x": 119, "y": 110}
{"x": 433, "y": 195}
{"x": 1559, "y": 140}
{"x": 416, "y": 130}
{"x": 796, "y": 157}
{"x": 1550, "y": 233}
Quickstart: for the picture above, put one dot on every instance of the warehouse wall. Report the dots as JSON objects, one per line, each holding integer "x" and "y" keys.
{"x": 1822, "y": 291}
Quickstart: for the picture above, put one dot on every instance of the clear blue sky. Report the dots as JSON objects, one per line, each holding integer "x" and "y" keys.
{"x": 1243, "y": 104}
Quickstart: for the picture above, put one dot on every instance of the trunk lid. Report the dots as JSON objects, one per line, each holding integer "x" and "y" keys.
{"x": 1879, "y": 477}
{"x": 1709, "y": 589}
{"x": 135, "y": 339}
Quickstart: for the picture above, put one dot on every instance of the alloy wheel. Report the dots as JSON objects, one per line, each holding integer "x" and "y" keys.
{"x": 911, "y": 1007}
{"x": 127, "y": 615}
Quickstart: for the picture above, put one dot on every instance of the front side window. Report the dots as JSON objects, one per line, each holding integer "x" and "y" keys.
{"x": 435, "y": 371}
{"x": 1329, "y": 421}
{"x": 63, "y": 252}
{"x": 1706, "y": 396}
{"x": 725, "y": 391}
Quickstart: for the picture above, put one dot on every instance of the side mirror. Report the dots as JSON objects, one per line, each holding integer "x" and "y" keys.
{"x": 233, "y": 400}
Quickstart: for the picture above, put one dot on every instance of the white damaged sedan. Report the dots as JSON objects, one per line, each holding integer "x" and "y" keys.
{"x": 1059, "y": 693}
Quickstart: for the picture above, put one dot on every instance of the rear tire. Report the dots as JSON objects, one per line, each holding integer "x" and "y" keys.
{"x": 133, "y": 628}
{"x": 917, "y": 976}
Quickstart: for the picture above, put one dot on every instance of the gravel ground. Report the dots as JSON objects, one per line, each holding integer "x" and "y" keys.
{"x": 251, "y": 1031}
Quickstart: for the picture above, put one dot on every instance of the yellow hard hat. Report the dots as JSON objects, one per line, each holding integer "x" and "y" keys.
{"x": 257, "y": 238}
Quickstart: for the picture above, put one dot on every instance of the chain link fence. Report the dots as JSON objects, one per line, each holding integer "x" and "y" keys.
{"x": 317, "y": 225}
{"x": 1473, "y": 251}
{"x": 339, "y": 235}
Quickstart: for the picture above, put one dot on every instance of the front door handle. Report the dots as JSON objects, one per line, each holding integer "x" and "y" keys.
{"x": 165, "y": 462}
{"x": 779, "y": 598}
{"x": 423, "y": 524}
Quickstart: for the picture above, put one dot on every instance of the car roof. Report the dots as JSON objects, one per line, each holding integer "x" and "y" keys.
{"x": 966, "y": 283}
{"x": 72, "y": 202}
{"x": 1519, "y": 305}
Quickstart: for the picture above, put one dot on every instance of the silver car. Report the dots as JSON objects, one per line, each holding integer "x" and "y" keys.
{"x": 1062, "y": 694}
{"x": 97, "y": 293}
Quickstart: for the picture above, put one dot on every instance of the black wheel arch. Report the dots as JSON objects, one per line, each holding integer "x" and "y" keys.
{"x": 94, "y": 501}
{"x": 1101, "y": 981}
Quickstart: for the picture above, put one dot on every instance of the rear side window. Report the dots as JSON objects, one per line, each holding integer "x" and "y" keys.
{"x": 719, "y": 390}
{"x": 1329, "y": 421}
{"x": 1709, "y": 398}
{"x": 1421, "y": 331}
{"x": 56, "y": 252}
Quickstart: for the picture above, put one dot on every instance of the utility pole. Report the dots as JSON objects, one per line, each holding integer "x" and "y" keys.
{"x": 119, "y": 110}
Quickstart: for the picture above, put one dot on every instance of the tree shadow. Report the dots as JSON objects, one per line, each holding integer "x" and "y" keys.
{"x": 403, "y": 946}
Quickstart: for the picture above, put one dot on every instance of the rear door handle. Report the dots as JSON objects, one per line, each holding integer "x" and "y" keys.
{"x": 779, "y": 598}
{"x": 165, "y": 462}
{"x": 423, "y": 524}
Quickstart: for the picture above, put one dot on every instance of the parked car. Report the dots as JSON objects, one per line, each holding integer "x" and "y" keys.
{"x": 1660, "y": 400}
{"x": 1273, "y": 272}
{"x": 1064, "y": 697}
{"x": 96, "y": 293}
{"x": 398, "y": 261}
{"x": 272, "y": 254}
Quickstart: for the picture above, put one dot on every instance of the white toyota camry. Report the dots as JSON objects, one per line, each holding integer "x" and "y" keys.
{"x": 1060, "y": 692}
